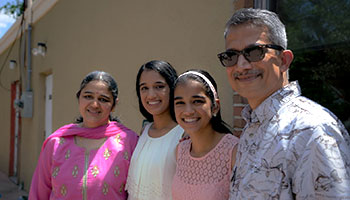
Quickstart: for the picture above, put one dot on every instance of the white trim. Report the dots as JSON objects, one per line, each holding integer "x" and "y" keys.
{"x": 48, "y": 105}
{"x": 39, "y": 9}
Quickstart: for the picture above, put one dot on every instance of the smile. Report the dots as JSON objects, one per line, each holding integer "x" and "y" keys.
{"x": 93, "y": 112}
{"x": 153, "y": 102}
{"x": 190, "y": 120}
{"x": 249, "y": 76}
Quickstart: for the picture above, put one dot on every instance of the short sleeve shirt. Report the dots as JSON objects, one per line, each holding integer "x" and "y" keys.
{"x": 291, "y": 148}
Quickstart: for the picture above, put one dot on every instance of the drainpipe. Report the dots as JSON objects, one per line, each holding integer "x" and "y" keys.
{"x": 27, "y": 96}
{"x": 29, "y": 59}
{"x": 29, "y": 46}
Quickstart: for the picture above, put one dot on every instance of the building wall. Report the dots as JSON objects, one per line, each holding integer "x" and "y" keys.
{"x": 117, "y": 37}
{"x": 7, "y": 76}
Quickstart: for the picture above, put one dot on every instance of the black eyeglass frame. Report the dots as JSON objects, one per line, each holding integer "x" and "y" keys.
{"x": 246, "y": 53}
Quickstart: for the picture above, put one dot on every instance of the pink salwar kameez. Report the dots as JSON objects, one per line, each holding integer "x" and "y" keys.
{"x": 67, "y": 171}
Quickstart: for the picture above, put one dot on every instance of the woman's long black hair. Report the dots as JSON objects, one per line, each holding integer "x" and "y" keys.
{"x": 168, "y": 73}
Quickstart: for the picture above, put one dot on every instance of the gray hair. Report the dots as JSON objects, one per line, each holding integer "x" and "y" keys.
{"x": 260, "y": 18}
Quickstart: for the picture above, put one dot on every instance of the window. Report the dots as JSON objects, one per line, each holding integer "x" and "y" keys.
{"x": 319, "y": 36}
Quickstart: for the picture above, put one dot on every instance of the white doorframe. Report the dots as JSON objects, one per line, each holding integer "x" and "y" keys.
{"x": 48, "y": 105}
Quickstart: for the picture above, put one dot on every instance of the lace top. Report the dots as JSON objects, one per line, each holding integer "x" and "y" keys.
{"x": 207, "y": 177}
{"x": 153, "y": 165}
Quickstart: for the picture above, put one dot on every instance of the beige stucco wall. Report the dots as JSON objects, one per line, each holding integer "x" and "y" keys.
{"x": 117, "y": 37}
{"x": 7, "y": 76}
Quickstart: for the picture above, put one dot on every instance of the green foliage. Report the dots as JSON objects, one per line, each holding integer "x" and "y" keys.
{"x": 315, "y": 22}
{"x": 15, "y": 9}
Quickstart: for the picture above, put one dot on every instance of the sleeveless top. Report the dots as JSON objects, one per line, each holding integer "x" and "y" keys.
{"x": 207, "y": 177}
{"x": 152, "y": 166}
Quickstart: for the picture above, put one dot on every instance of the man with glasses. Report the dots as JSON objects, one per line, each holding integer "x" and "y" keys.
{"x": 291, "y": 147}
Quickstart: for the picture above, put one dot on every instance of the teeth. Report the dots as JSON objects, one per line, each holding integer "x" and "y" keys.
{"x": 190, "y": 120}
{"x": 94, "y": 112}
{"x": 250, "y": 77}
{"x": 153, "y": 102}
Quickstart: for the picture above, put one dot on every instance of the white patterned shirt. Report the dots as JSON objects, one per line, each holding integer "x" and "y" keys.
{"x": 291, "y": 148}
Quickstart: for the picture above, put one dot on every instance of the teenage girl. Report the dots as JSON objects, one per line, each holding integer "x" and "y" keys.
{"x": 204, "y": 162}
{"x": 153, "y": 163}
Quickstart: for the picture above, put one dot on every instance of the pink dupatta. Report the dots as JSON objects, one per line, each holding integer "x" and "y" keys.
{"x": 110, "y": 129}
{"x": 40, "y": 187}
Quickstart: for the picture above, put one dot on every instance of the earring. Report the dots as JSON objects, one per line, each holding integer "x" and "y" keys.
{"x": 214, "y": 114}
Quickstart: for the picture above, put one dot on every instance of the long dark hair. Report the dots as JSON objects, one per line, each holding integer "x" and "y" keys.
{"x": 168, "y": 73}
{"x": 216, "y": 121}
{"x": 112, "y": 87}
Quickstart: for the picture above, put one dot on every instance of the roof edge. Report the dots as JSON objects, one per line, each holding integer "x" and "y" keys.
{"x": 39, "y": 9}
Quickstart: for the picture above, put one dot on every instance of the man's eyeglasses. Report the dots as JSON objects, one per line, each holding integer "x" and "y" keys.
{"x": 252, "y": 53}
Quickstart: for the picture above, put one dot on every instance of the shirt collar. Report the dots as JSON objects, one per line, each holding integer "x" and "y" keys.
{"x": 270, "y": 106}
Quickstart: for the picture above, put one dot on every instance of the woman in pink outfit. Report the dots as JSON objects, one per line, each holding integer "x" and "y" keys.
{"x": 204, "y": 162}
{"x": 88, "y": 159}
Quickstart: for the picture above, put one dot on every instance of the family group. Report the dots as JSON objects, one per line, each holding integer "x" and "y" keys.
{"x": 290, "y": 147}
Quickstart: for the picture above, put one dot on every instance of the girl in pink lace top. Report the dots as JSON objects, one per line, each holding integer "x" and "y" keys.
{"x": 205, "y": 162}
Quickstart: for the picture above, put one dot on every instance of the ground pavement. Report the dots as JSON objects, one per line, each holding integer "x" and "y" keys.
{"x": 9, "y": 190}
